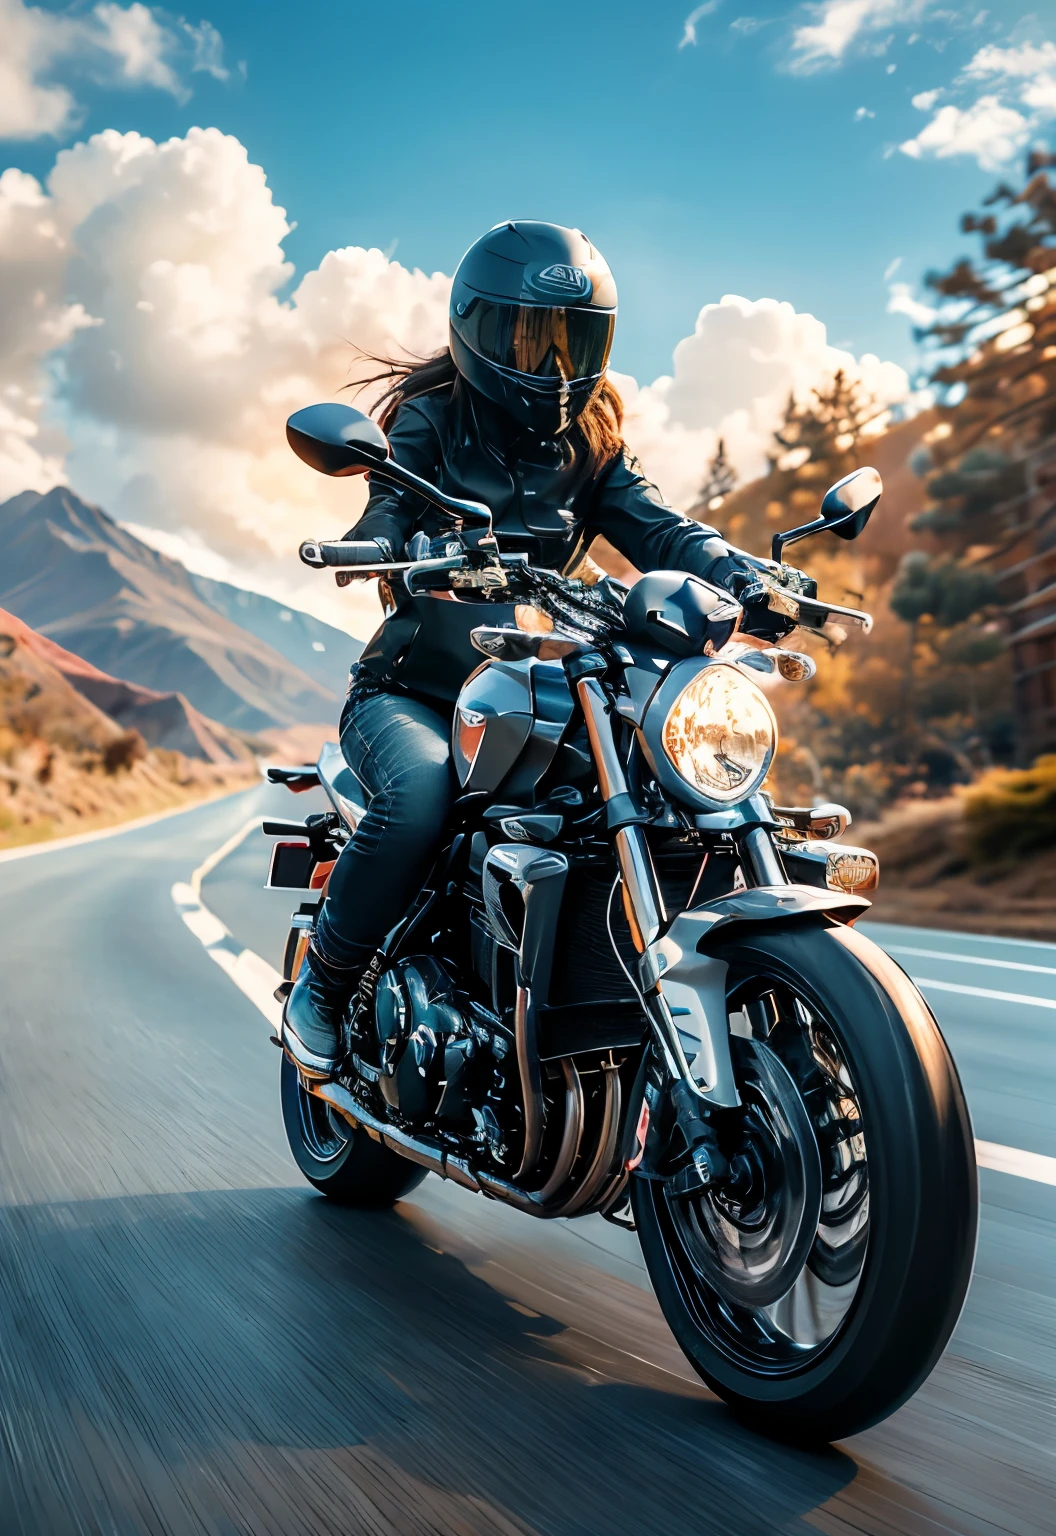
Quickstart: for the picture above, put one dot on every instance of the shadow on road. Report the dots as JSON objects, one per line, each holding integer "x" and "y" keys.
{"x": 356, "y": 1379}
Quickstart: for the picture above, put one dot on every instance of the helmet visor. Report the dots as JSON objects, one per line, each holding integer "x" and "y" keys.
{"x": 547, "y": 343}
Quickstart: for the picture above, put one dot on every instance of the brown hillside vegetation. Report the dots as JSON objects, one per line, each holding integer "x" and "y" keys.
{"x": 66, "y": 766}
{"x": 162, "y": 719}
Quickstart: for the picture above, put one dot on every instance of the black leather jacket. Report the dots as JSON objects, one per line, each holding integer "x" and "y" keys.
{"x": 460, "y": 442}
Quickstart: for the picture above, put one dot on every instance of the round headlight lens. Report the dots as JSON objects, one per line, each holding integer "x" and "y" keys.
{"x": 721, "y": 734}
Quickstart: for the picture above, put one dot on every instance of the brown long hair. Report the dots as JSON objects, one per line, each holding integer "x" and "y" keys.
{"x": 599, "y": 425}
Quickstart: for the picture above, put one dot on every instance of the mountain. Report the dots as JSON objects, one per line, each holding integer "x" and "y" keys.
{"x": 72, "y": 573}
{"x": 162, "y": 719}
{"x": 38, "y": 704}
{"x": 319, "y": 649}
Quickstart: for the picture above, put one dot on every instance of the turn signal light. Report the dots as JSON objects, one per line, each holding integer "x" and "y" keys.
{"x": 852, "y": 870}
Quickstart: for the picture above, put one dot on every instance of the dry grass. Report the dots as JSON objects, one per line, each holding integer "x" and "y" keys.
{"x": 936, "y": 873}
{"x": 47, "y": 792}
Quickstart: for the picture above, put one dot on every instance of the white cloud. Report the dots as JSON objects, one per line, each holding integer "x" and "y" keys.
{"x": 208, "y": 48}
{"x": 146, "y": 354}
{"x": 129, "y": 46}
{"x": 838, "y": 25}
{"x": 139, "y": 44}
{"x": 1020, "y": 98}
{"x": 862, "y": 113}
{"x": 993, "y": 133}
{"x": 731, "y": 379}
{"x": 689, "y": 26}
{"x": 1024, "y": 61}
{"x": 902, "y": 302}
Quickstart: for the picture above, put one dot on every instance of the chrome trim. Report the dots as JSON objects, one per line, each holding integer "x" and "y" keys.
{"x": 437, "y": 1159}
{"x": 761, "y": 856}
{"x": 692, "y": 988}
{"x": 642, "y": 902}
{"x": 571, "y": 1135}
{"x": 599, "y": 1175}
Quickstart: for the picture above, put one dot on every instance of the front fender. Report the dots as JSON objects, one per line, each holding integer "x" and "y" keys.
{"x": 693, "y": 979}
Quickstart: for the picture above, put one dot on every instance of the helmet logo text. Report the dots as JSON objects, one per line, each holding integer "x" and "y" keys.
{"x": 560, "y": 280}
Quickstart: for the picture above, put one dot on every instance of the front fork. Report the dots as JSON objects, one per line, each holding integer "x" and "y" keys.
{"x": 699, "y": 993}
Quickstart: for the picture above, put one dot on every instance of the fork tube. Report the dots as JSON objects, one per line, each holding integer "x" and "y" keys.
{"x": 761, "y": 858}
{"x": 642, "y": 901}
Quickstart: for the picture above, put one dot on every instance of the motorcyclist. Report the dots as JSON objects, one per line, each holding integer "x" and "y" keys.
{"x": 518, "y": 413}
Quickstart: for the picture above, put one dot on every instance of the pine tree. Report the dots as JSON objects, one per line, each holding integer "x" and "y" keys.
{"x": 720, "y": 481}
{"x": 993, "y": 343}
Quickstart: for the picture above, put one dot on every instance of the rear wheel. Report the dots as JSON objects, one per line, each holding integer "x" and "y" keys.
{"x": 816, "y": 1287}
{"x": 343, "y": 1163}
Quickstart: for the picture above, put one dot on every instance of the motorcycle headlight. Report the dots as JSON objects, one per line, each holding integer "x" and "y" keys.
{"x": 720, "y": 734}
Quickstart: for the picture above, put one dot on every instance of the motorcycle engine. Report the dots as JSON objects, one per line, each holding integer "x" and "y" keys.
{"x": 426, "y": 1048}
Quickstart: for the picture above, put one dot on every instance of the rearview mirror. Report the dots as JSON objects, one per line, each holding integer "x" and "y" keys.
{"x": 336, "y": 440}
{"x": 849, "y": 504}
{"x": 847, "y": 507}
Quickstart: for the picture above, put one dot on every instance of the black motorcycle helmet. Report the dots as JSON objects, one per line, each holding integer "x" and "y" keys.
{"x": 533, "y": 309}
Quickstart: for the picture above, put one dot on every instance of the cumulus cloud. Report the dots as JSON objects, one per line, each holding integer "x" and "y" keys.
{"x": 731, "y": 379}
{"x": 131, "y": 46}
{"x": 1019, "y": 99}
{"x": 146, "y": 353}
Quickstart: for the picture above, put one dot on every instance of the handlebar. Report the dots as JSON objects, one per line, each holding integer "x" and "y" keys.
{"x": 490, "y": 575}
{"x": 362, "y": 552}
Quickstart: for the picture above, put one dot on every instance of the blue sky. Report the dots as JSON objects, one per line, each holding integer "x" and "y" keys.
{"x": 159, "y": 317}
{"x": 699, "y": 170}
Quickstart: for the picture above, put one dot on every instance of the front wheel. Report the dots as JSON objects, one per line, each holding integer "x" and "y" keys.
{"x": 343, "y": 1163}
{"x": 815, "y": 1288}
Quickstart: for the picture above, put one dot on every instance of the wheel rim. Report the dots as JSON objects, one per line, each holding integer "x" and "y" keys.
{"x": 769, "y": 1268}
{"x": 322, "y": 1131}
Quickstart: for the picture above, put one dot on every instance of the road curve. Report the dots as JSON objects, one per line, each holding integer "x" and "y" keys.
{"x": 192, "y": 1341}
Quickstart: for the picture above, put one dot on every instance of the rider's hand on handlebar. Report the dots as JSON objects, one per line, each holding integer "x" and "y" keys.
{"x": 761, "y": 617}
{"x": 443, "y": 546}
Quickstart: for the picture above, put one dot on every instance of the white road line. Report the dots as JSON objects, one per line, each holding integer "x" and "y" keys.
{"x": 942, "y": 954}
{"x": 53, "y": 845}
{"x": 1022, "y": 998}
{"x": 963, "y": 934}
{"x": 1022, "y": 1165}
{"x": 258, "y": 980}
{"x": 252, "y": 975}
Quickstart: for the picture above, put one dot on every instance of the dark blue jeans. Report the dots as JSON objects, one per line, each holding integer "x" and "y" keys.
{"x": 399, "y": 749}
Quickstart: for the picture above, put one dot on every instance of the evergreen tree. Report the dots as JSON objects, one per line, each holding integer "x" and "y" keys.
{"x": 993, "y": 343}
{"x": 720, "y": 481}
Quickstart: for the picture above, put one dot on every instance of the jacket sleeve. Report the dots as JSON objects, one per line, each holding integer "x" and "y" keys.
{"x": 629, "y": 510}
{"x": 390, "y": 513}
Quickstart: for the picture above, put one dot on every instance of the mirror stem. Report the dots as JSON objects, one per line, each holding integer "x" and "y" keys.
{"x": 407, "y": 480}
{"x": 793, "y": 536}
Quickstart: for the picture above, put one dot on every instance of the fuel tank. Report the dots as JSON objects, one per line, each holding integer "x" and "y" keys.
{"x": 508, "y": 725}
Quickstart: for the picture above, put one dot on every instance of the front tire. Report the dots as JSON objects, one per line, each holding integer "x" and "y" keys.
{"x": 345, "y": 1164}
{"x": 833, "y": 1036}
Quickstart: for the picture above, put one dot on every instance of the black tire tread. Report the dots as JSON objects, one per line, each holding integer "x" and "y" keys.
{"x": 366, "y": 1176}
{"x": 923, "y": 1197}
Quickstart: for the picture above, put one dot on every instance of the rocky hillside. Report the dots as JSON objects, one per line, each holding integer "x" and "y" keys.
{"x": 67, "y": 765}
{"x": 72, "y": 573}
{"x": 162, "y": 719}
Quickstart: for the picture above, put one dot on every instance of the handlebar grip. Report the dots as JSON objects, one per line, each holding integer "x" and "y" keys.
{"x": 343, "y": 552}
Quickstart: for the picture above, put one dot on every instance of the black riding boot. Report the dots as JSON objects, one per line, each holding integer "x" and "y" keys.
{"x": 311, "y": 1020}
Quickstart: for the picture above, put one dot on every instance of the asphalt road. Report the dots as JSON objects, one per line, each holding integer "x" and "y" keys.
{"x": 192, "y": 1341}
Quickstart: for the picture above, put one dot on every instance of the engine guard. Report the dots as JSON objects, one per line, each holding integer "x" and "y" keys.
{"x": 693, "y": 979}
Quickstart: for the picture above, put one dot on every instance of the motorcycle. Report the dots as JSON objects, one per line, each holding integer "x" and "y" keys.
{"x": 632, "y": 984}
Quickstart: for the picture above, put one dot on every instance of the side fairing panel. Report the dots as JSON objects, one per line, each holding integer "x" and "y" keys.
{"x": 508, "y": 724}
{"x": 493, "y": 720}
